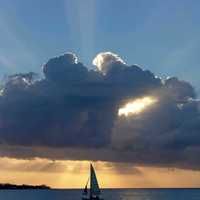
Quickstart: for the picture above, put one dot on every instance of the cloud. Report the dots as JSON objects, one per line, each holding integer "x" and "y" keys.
{"x": 34, "y": 165}
{"x": 72, "y": 113}
{"x": 64, "y": 68}
{"x": 104, "y": 61}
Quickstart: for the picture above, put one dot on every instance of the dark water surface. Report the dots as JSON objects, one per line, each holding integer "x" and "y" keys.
{"x": 108, "y": 194}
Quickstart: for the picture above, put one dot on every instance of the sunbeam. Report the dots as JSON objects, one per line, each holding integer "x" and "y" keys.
{"x": 136, "y": 106}
{"x": 81, "y": 19}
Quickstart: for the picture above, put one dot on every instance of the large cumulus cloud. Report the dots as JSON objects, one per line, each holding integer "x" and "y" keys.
{"x": 73, "y": 111}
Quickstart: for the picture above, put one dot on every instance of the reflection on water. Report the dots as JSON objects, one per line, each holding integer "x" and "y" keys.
{"x": 114, "y": 194}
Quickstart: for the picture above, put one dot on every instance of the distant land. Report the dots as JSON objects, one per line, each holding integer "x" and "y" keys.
{"x": 8, "y": 186}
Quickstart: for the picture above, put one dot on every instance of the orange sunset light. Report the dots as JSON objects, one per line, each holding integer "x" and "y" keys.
{"x": 74, "y": 174}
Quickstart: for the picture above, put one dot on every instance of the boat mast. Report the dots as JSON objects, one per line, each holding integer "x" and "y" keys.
{"x": 90, "y": 181}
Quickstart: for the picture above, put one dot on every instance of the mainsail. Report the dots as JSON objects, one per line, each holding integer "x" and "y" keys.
{"x": 94, "y": 186}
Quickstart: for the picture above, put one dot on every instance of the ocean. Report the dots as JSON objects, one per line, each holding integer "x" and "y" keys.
{"x": 107, "y": 194}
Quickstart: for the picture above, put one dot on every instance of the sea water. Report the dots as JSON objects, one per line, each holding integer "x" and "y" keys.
{"x": 108, "y": 194}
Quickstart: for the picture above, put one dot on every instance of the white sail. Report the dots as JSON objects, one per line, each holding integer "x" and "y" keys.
{"x": 94, "y": 186}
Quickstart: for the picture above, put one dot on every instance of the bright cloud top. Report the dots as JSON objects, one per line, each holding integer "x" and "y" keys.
{"x": 104, "y": 61}
{"x": 136, "y": 106}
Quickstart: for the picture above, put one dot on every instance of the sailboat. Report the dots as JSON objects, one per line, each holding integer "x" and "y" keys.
{"x": 94, "y": 192}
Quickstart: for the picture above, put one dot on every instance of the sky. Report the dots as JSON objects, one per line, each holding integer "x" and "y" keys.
{"x": 136, "y": 109}
{"x": 160, "y": 36}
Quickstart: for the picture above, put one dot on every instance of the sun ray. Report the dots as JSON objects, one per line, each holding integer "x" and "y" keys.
{"x": 136, "y": 106}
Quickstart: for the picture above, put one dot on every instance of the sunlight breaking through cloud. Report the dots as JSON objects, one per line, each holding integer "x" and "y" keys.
{"x": 104, "y": 60}
{"x": 136, "y": 106}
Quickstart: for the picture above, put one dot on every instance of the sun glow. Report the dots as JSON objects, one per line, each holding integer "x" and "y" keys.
{"x": 136, "y": 106}
{"x": 104, "y": 59}
{"x": 74, "y": 174}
